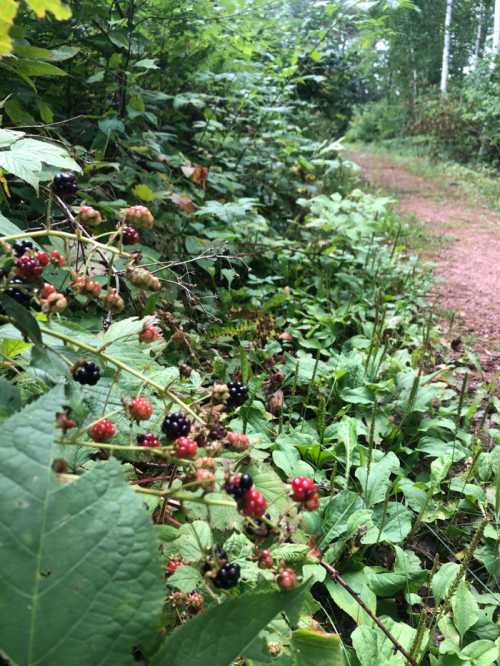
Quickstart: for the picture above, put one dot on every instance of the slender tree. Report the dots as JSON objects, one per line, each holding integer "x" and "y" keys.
{"x": 496, "y": 27}
{"x": 445, "y": 68}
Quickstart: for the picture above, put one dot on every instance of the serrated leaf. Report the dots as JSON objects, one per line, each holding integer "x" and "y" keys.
{"x": 91, "y": 539}
{"x": 186, "y": 579}
{"x": 221, "y": 633}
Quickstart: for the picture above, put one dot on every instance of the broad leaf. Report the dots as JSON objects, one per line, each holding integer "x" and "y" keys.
{"x": 222, "y": 633}
{"x": 89, "y": 541}
{"x": 465, "y": 609}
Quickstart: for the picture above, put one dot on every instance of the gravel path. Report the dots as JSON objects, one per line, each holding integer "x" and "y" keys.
{"x": 468, "y": 265}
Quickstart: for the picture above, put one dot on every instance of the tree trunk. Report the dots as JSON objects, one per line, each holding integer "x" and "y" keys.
{"x": 496, "y": 27}
{"x": 446, "y": 49}
{"x": 479, "y": 33}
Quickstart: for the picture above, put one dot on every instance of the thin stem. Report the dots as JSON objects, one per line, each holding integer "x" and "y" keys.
{"x": 334, "y": 574}
{"x": 120, "y": 364}
{"x": 68, "y": 236}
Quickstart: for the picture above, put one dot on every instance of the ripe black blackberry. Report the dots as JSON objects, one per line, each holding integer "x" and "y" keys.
{"x": 227, "y": 576}
{"x": 238, "y": 484}
{"x": 238, "y": 394}
{"x": 21, "y": 246}
{"x": 23, "y": 297}
{"x": 87, "y": 373}
{"x": 64, "y": 184}
{"x": 176, "y": 425}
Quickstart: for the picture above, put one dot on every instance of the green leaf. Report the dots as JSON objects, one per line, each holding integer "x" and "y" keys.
{"x": 10, "y": 398}
{"x": 373, "y": 648}
{"x": 393, "y": 526}
{"x": 465, "y": 609}
{"x": 7, "y": 15}
{"x": 23, "y": 319}
{"x": 337, "y": 516}
{"x": 90, "y": 539}
{"x": 316, "y": 648}
{"x": 374, "y": 485}
{"x": 186, "y": 579}
{"x": 41, "y": 7}
{"x": 359, "y": 582}
{"x": 37, "y": 68}
{"x": 347, "y": 433}
{"x": 442, "y": 580}
{"x": 481, "y": 653}
{"x": 221, "y": 633}
{"x": 7, "y": 227}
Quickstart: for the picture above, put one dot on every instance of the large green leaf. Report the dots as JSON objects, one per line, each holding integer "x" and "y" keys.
{"x": 222, "y": 633}
{"x": 7, "y": 227}
{"x": 465, "y": 609}
{"x": 41, "y": 7}
{"x": 81, "y": 583}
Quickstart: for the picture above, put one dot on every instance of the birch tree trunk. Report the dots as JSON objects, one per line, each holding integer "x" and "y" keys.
{"x": 479, "y": 34}
{"x": 496, "y": 27}
{"x": 445, "y": 68}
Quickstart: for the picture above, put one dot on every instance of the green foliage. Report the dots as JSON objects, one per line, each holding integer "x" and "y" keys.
{"x": 263, "y": 264}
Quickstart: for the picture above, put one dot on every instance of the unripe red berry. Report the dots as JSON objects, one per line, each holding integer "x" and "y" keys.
{"x": 140, "y": 409}
{"x": 55, "y": 302}
{"x": 287, "y": 579}
{"x": 102, "y": 431}
{"x": 237, "y": 441}
{"x": 203, "y": 478}
{"x": 28, "y": 268}
{"x": 312, "y": 502}
{"x": 130, "y": 236}
{"x": 302, "y": 488}
{"x": 173, "y": 564}
{"x": 139, "y": 217}
{"x": 113, "y": 301}
{"x": 64, "y": 422}
{"x": 150, "y": 333}
{"x": 185, "y": 447}
{"x": 90, "y": 216}
{"x": 254, "y": 503}
{"x": 148, "y": 439}
{"x": 195, "y": 602}
{"x": 47, "y": 290}
{"x": 43, "y": 258}
{"x": 265, "y": 559}
{"x": 143, "y": 279}
{"x": 56, "y": 259}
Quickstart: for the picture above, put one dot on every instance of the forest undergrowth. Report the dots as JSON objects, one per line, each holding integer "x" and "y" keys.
{"x": 229, "y": 432}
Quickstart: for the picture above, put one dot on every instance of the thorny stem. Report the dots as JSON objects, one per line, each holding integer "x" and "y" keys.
{"x": 334, "y": 574}
{"x": 123, "y": 366}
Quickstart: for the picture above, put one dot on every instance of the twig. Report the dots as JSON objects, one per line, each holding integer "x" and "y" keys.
{"x": 338, "y": 579}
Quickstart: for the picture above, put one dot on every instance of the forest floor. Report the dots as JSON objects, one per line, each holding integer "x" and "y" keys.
{"x": 463, "y": 242}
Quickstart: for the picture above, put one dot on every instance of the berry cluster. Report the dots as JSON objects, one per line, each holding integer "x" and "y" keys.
{"x": 148, "y": 440}
{"x": 29, "y": 268}
{"x": 86, "y": 372}
{"x": 130, "y": 236}
{"x": 90, "y": 216}
{"x": 251, "y": 501}
{"x": 237, "y": 441}
{"x": 143, "y": 279}
{"x": 173, "y": 564}
{"x": 238, "y": 394}
{"x": 304, "y": 490}
{"x": 176, "y": 425}
{"x": 227, "y": 576}
{"x": 103, "y": 430}
{"x": 64, "y": 184}
{"x": 139, "y": 217}
{"x": 185, "y": 447}
{"x": 150, "y": 333}
{"x": 139, "y": 409}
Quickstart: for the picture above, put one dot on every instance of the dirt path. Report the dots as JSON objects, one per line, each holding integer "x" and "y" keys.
{"x": 468, "y": 265}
